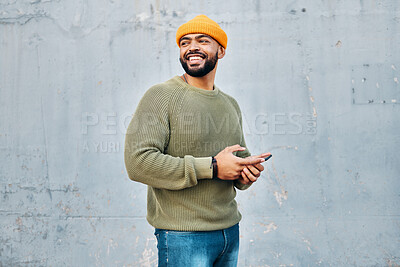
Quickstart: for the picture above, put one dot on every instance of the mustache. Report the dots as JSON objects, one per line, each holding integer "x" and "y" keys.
{"x": 195, "y": 53}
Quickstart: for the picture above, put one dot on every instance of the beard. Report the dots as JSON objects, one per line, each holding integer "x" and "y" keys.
{"x": 209, "y": 65}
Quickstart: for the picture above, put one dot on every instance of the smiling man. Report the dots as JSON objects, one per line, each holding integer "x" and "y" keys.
{"x": 185, "y": 141}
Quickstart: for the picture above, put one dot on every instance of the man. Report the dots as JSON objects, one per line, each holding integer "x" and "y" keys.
{"x": 185, "y": 141}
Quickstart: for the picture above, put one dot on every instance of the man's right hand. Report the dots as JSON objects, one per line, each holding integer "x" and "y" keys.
{"x": 229, "y": 166}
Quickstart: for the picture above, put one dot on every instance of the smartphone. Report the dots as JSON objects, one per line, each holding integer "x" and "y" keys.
{"x": 267, "y": 158}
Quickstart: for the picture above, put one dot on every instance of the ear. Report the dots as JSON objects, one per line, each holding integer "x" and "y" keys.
{"x": 221, "y": 52}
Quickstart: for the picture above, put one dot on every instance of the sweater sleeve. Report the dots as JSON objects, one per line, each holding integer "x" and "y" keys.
{"x": 242, "y": 154}
{"x": 147, "y": 138}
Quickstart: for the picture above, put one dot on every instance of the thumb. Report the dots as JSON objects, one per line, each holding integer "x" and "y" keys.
{"x": 263, "y": 155}
{"x": 234, "y": 148}
{"x": 251, "y": 161}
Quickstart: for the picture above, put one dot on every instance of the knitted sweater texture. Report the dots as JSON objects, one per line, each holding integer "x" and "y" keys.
{"x": 173, "y": 134}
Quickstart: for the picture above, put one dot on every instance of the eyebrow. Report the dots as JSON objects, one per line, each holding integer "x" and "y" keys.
{"x": 197, "y": 37}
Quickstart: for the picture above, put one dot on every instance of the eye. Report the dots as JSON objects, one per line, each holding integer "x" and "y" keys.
{"x": 184, "y": 43}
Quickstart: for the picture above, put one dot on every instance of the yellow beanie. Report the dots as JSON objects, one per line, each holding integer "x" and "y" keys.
{"x": 202, "y": 24}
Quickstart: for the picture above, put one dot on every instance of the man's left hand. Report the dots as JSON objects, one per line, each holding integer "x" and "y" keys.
{"x": 251, "y": 173}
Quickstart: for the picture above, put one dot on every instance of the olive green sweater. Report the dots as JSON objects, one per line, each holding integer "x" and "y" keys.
{"x": 174, "y": 132}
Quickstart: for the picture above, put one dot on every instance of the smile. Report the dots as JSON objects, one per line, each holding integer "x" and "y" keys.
{"x": 194, "y": 58}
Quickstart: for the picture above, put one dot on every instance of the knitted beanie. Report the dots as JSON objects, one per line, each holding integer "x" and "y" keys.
{"x": 202, "y": 24}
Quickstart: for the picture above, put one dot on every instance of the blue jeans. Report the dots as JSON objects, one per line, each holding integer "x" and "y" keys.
{"x": 199, "y": 249}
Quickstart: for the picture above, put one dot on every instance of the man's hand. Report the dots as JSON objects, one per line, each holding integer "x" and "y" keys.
{"x": 230, "y": 167}
{"x": 251, "y": 173}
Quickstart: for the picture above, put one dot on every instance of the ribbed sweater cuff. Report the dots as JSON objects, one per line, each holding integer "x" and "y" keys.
{"x": 241, "y": 186}
{"x": 203, "y": 168}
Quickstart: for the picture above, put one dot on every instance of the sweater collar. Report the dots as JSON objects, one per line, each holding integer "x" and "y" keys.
{"x": 196, "y": 89}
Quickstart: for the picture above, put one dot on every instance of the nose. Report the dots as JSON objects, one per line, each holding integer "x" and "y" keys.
{"x": 194, "y": 46}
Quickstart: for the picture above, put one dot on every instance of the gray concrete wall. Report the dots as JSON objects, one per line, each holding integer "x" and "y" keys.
{"x": 318, "y": 84}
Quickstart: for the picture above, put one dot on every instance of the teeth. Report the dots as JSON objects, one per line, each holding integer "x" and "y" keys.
{"x": 194, "y": 58}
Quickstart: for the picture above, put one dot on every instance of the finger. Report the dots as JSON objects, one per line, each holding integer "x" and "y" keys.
{"x": 259, "y": 167}
{"x": 245, "y": 179}
{"x": 253, "y": 170}
{"x": 249, "y": 175}
{"x": 250, "y": 161}
{"x": 234, "y": 148}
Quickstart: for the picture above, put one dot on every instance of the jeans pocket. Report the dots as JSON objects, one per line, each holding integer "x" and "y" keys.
{"x": 162, "y": 247}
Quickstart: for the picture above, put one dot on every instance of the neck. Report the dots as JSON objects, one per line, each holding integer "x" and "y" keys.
{"x": 206, "y": 82}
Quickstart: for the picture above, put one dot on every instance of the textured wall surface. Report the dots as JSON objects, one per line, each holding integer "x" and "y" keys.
{"x": 318, "y": 84}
